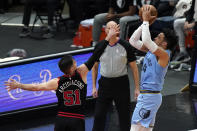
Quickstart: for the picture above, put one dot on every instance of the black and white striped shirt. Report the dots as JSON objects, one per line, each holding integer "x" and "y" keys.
{"x": 114, "y": 60}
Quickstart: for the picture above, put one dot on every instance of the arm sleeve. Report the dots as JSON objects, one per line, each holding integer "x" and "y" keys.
{"x": 146, "y": 38}
{"x": 98, "y": 51}
{"x": 135, "y": 39}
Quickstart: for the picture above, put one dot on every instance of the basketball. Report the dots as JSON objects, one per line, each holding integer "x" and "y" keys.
{"x": 153, "y": 13}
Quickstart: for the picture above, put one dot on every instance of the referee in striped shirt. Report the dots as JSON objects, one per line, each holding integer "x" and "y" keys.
{"x": 114, "y": 82}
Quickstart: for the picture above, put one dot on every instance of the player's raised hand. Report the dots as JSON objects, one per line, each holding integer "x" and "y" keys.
{"x": 146, "y": 14}
{"x": 12, "y": 84}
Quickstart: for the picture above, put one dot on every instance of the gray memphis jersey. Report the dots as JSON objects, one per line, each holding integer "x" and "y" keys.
{"x": 113, "y": 62}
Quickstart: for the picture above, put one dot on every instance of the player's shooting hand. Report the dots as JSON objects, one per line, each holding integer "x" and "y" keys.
{"x": 11, "y": 84}
{"x": 146, "y": 13}
{"x": 94, "y": 92}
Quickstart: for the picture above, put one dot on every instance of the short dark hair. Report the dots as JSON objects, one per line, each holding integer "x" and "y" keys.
{"x": 65, "y": 63}
{"x": 170, "y": 38}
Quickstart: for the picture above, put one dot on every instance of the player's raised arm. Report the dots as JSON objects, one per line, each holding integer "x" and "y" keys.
{"x": 98, "y": 51}
{"x": 135, "y": 40}
{"x": 50, "y": 85}
{"x": 162, "y": 55}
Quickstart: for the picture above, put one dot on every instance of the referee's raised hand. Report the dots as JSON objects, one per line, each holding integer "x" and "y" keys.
{"x": 112, "y": 30}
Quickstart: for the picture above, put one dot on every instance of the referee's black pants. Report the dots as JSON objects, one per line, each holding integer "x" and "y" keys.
{"x": 110, "y": 89}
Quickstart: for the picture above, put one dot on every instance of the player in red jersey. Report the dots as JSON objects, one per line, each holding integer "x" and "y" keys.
{"x": 71, "y": 88}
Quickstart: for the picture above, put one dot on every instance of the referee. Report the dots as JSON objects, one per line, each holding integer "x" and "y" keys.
{"x": 114, "y": 82}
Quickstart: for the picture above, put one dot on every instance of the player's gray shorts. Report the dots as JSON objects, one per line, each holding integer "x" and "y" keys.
{"x": 146, "y": 109}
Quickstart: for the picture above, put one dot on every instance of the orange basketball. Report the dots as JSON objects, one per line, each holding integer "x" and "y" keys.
{"x": 153, "y": 13}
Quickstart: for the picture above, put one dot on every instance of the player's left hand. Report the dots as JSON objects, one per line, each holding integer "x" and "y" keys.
{"x": 137, "y": 92}
{"x": 11, "y": 84}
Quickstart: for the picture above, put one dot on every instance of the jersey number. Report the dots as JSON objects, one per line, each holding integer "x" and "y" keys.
{"x": 72, "y": 98}
{"x": 144, "y": 67}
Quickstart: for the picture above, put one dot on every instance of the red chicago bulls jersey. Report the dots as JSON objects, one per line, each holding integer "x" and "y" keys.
{"x": 71, "y": 94}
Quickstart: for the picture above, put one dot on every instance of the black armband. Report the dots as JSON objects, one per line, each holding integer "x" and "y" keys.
{"x": 98, "y": 51}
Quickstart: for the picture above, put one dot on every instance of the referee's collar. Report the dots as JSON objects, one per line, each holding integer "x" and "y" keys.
{"x": 115, "y": 43}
